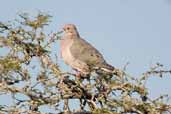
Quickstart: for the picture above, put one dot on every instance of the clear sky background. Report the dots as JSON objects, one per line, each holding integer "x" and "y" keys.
{"x": 135, "y": 31}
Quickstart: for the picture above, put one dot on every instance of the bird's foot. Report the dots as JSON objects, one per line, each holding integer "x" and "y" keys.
{"x": 78, "y": 75}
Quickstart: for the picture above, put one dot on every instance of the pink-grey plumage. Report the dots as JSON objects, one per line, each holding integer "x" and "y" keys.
{"x": 78, "y": 53}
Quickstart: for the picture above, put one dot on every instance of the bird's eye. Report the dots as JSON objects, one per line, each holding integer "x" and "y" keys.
{"x": 67, "y": 28}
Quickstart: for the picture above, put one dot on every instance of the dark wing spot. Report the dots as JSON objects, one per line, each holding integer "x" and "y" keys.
{"x": 97, "y": 56}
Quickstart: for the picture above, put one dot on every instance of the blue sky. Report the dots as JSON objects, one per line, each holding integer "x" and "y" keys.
{"x": 135, "y": 31}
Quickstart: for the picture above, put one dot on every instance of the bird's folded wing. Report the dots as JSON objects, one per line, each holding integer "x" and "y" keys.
{"x": 85, "y": 52}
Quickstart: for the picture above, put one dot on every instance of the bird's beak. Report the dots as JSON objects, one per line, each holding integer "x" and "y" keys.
{"x": 63, "y": 29}
{"x": 60, "y": 32}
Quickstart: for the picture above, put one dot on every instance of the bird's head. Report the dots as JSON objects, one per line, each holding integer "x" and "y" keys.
{"x": 70, "y": 29}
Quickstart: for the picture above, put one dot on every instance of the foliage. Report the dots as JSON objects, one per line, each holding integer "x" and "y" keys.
{"x": 113, "y": 93}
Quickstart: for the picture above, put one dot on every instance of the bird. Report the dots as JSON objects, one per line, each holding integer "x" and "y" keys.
{"x": 80, "y": 54}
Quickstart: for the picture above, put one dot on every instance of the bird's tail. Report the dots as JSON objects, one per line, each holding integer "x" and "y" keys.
{"x": 109, "y": 69}
{"x": 112, "y": 70}
{"x": 106, "y": 67}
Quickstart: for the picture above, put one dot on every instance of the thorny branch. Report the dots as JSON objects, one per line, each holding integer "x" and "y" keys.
{"x": 108, "y": 93}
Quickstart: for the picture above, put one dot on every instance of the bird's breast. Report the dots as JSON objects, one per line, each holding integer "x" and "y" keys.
{"x": 68, "y": 57}
{"x": 65, "y": 45}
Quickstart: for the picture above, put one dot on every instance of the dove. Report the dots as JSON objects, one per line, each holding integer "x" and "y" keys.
{"x": 79, "y": 54}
